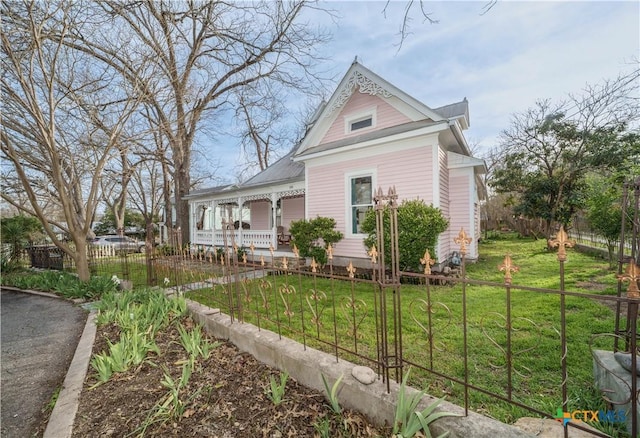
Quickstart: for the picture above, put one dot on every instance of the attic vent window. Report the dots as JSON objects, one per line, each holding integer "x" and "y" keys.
{"x": 362, "y": 124}
{"x": 361, "y": 120}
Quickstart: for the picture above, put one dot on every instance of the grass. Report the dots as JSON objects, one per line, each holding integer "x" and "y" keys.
{"x": 303, "y": 309}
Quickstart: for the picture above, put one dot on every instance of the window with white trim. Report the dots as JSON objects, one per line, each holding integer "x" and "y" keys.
{"x": 361, "y": 124}
{"x": 360, "y": 120}
{"x": 361, "y": 188}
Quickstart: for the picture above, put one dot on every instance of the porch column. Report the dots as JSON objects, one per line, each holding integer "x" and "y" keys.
{"x": 214, "y": 206}
{"x": 240, "y": 206}
{"x": 274, "y": 206}
{"x": 192, "y": 222}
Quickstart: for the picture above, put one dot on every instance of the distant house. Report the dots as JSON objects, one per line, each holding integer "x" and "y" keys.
{"x": 370, "y": 134}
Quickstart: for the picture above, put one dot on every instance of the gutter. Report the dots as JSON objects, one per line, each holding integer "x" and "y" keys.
{"x": 373, "y": 142}
{"x": 457, "y": 133}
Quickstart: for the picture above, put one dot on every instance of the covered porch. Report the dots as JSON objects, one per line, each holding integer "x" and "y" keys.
{"x": 258, "y": 219}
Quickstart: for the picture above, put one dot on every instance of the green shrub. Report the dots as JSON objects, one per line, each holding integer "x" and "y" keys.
{"x": 97, "y": 286}
{"x": 166, "y": 250}
{"x": 313, "y": 237}
{"x": 419, "y": 226}
{"x": 62, "y": 283}
{"x": 68, "y": 286}
{"x": 18, "y": 231}
{"x": 8, "y": 264}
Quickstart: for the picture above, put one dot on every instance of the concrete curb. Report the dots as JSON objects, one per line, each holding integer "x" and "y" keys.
{"x": 32, "y": 292}
{"x": 62, "y": 417}
{"x": 307, "y": 366}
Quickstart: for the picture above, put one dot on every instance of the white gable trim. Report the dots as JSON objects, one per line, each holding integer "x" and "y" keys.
{"x": 357, "y": 80}
{"x": 367, "y": 82}
{"x": 457, "y": 161}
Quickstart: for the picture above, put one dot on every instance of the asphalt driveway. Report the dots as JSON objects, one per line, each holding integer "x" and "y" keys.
{"x": 39, "y": 336}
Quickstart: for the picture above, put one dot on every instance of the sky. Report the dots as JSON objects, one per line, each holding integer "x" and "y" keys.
{"x": 502, "y": 61}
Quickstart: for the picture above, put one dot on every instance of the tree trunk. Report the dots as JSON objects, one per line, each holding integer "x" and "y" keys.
{"x": 81, "y": 258}
{"x": 182, "y": 182}
{"x": 150, "y": 240}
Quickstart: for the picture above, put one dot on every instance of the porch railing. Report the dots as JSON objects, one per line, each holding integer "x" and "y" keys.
{"x": 259, "y": 238}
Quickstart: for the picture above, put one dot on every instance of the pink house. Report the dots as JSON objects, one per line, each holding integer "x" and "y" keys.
{"x": 370, "y": 134}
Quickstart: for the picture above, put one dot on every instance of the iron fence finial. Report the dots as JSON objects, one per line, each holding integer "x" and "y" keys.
{"x": 427, "y": 261}
{"x": 351, "y": 270}
{"x": 632, "y": 275}
{"x": 561, "y": 241}
{"x": 508, "y": 267}
{"x": 463, "y": 240}
{"x": 373, "y": 253}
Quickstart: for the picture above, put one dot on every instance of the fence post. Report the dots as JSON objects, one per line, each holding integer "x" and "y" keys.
{"x": 390, "y": 332}
{"x": 562, "y": 241}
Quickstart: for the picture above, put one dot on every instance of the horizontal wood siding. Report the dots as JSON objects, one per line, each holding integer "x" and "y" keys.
{"x": 260, "y": 215}
{"x": 410, "y": 171}
{"x": 461, "y": 208}
{"x": 292, "y": 210}
{"x": 386, "y": 116}
{"x": 445, "y": 240}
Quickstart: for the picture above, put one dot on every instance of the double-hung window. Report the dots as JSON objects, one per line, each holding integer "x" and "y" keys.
{"x": 361, "y": 188}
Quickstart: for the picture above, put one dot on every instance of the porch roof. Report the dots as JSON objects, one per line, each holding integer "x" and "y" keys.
{"x": 282, "y": 171}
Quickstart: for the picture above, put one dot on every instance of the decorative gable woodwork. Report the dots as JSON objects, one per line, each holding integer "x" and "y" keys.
{"x": 365, "y": 86}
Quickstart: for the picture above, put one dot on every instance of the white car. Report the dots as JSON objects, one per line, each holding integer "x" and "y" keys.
{"x": 121, "y": 243}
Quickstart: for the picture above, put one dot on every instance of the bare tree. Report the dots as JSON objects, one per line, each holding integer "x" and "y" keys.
{"x": 263, "y": 124}
{"x": 116, "y": 183}
{"x": 60, "y": 124}
{"x": 409, "y": 12}
{"x": 187, "y": 57}
{"x": 146, "y": 196}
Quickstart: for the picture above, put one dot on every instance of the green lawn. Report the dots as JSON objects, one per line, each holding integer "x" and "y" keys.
{"x": 305, "y": 308}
